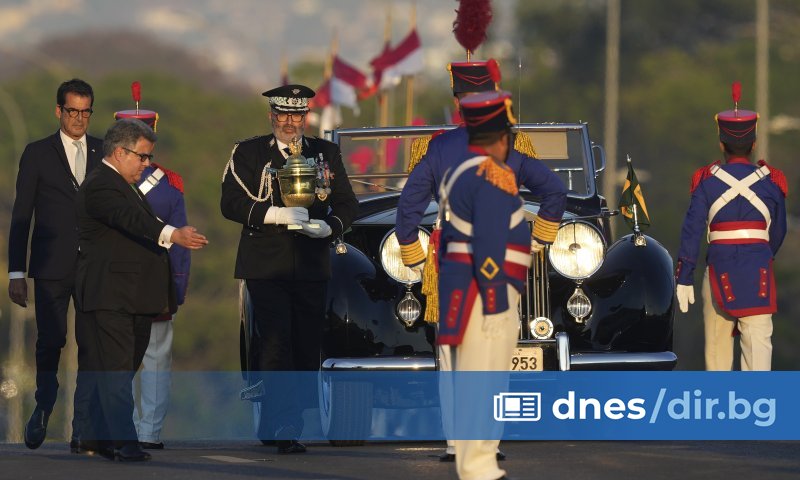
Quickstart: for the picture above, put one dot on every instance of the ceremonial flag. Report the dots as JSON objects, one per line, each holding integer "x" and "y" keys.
{"x": 631, "y": 202}
{"x": 346, "y": 83}
{"x": 404, "y": 59}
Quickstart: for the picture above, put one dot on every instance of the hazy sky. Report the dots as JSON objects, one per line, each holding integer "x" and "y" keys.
{"x": 246, "y": 37}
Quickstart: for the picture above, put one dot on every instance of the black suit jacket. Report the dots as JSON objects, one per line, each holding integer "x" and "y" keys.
{"x": 271, "y": 251}
{"x": 47, "y": 188}
{"x": 121, "y": 267}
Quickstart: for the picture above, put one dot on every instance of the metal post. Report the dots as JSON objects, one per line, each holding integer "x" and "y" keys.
{"x": 611, "y": 122}
{"x": 762, "y": 77}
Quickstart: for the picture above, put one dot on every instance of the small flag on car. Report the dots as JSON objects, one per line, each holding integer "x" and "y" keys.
{"x": 631, "y": 202}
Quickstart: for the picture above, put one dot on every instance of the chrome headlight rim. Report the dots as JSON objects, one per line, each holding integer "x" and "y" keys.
{"x": 391, "y": 260}
{"x": 598, "y": 244}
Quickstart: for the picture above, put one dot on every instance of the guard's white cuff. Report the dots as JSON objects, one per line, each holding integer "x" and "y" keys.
{"x": 15, "y": 275}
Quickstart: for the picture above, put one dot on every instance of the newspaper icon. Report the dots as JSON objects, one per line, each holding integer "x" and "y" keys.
{"x": 517, "y": 407}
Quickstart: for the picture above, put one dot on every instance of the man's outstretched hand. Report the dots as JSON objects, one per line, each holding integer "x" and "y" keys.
{"x": 188, "y": 237}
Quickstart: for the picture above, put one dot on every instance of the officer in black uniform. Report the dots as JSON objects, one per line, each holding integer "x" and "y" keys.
{"x": 286, "y": 271}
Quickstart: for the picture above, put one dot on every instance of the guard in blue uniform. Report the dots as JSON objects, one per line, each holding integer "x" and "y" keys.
{"x": 484, "y": 256}
{"x": 740, "y": 207}
{"x": 427, "y": 168}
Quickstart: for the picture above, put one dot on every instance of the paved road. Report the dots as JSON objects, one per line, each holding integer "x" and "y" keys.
{"x": 417, "y": 461}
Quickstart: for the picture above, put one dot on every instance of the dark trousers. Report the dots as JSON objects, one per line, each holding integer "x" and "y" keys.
{"x": 288, "y": 319}
{"x": 119, "y": 342}
{"x": 51, "y": 303}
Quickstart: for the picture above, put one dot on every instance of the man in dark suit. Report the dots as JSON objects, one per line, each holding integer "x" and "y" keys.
{"x": 286, "y": 270}
{"x": 123, "y": 277}
{"x": 50, "y": 172}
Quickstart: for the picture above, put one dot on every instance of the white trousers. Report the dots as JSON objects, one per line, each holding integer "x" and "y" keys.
{"x": 484, "y": 351}
{"x": 755, "y": 339}
{"x": 156, "y": 379}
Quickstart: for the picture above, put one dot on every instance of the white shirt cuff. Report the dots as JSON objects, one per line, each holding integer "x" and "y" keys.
{"x": 15, "y": 275}
{"x": 166, "y": 234}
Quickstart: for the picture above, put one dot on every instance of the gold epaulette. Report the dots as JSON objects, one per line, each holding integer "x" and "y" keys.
{"x": 524, "y": 145}
{"x": 419, "y": 147}
{"x": 501, "y": 176}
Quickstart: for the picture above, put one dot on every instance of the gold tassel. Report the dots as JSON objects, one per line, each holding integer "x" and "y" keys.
{"x": 498, "y": 175}
{"x": 419, "y": 147}
{"x": 524, "y": 145}
{"x": 430, "y": 286}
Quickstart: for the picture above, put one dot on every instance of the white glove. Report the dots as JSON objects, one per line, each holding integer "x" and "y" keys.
{"x": 418, "y": 268}
{"x": 323, "y": 231}
{"x": 286, "y": 215}
{"x": 536, "y": 247}
{"x": 685, "y": 294}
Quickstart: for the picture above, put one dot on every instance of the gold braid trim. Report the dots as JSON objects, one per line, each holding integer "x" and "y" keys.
{"x": 412, "y": 254}
{"x": 419, "y": 147}
{"x": 524, "y": 145}
{"x": 430, "y": 286}
{"x": 501, "y": 176}
{"x": 545, "y": 230}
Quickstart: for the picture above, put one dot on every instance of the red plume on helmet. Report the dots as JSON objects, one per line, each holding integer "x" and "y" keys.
{"x": 472, "y": 20}
{"x": 736, "y": 93}
{"x": 136, "y": 91}
{"x": 494, "y": 70}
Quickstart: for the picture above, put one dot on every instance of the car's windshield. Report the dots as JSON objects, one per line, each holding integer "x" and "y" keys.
{"x": 377, "y": 158}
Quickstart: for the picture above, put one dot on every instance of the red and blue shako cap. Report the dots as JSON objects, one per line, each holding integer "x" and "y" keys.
{"x": 737, "y": 127}
{"x": 487, "y": 112}
{"x": 149, "y": 117}
{"x": 473, "y": 77}
{"x": 289, "y": 98}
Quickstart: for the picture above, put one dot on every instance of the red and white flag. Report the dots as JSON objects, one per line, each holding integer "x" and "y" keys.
{"x": 347, "y": 84}
{"x": 404, "y": 59}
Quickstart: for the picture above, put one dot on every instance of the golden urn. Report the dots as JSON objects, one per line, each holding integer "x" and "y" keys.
{"x": 297, "y": 179}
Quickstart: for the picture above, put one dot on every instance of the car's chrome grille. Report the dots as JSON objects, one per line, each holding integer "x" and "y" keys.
{"x": 536, "y": 301}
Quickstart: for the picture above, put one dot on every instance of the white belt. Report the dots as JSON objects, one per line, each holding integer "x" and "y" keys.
{"x": 465, "y": 227}
{"x": 512, "y": 256}
{"x": 742, "y": 234}
{"x": 151, "y": 181}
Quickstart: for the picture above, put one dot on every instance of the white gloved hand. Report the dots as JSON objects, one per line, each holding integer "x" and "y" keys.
{"x": 685, "y": 294}
{"x": 418, "y": 268}
{"x": 324, "y": 230}
{"x": 536, "y": 247}
{"x": 286, "y": 215}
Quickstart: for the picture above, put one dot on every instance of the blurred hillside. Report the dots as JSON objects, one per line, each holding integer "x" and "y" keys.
{"x": 678, "y": 61}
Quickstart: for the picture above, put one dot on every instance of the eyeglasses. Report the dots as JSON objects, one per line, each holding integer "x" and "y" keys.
{"x": 143, "y": 157}
{"x": 73, "y": 112}
{"x": 295, "y": 117}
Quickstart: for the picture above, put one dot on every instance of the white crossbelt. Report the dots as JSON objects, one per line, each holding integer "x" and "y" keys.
{"x": 512, "y": 256}
{"x": 151, "y": 181}
{"x": 739, "y": 188}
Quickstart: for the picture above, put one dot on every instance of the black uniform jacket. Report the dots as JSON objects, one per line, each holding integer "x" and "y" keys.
{"x": 271, "y": 251}
{"x": 46, "y": 190}
{"x": 121, "y": 267}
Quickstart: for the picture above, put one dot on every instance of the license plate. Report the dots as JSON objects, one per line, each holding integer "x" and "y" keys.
{"x": 527, "y": 359}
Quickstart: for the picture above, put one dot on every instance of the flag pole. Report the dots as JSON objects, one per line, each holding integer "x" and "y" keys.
{"x": 638, "y": 236}
{"x": 383, "y": 96}
{"x": 410, "y": 78}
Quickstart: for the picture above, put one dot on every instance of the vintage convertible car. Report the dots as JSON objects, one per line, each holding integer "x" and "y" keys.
{"x": 592, "y": 303}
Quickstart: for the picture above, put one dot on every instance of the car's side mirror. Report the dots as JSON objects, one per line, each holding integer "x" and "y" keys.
{"x": 601, "y": 155}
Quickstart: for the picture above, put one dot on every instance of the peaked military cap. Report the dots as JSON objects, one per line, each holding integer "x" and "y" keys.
{"x": 289, "y": 98}
{"x": 737, "y": 127}
{"x": 472, "y": 77}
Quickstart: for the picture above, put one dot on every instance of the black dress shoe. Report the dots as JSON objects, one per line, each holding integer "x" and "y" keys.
{"x": 447, "y": 457}
{"x": 91, "y": 448}
{"x": 500, "y": 456}
{"x": 152, "y": 446}
{"x": 290, "y": 446}
{"x": 36, "y": 429}
{"x": 131, "y": 452}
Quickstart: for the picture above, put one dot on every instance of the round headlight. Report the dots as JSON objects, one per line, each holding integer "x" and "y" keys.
{"x": 577, "y": 251}
{"x": 392, "y": 261}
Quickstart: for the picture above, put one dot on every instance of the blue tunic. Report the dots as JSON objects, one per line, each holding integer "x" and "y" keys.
{"x": 450, "y": 148}
{"x": 167, "y": 203}
{"x": 485, "y": 249}
{"x": 742, "y": 247}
